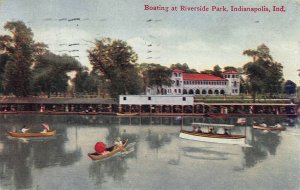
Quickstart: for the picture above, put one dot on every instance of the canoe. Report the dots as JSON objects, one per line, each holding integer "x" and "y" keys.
{"x": 97, "y": 156}
{"x": 214, "y": 138}
{"x": 282, "y": 128}
{"x": 126, "y": 114}
{"x": 47, "y": 134}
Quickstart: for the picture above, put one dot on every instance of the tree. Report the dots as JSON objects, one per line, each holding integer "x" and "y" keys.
{"x": 50, "y": 73}
{"x": 3, "y": 60}
{"x": 217, "y": 71}
{"x": 20, "y": 49}
{"x": 184, "y": 67}
{"x": 115, "y": 60}
{"x": 209, "y": 72}
{"x": 255, "y": 74}
{"x": 156, "y": 75}
{"x": 86, "y": 82}
{"x": 230, "y": 69}
{"x": 290, "y": 87}
{"x": 263, "y": 73}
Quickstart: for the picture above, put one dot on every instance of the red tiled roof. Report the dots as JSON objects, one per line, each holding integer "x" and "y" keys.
{"x": 177, "y": 71}
{"x": 230, "y": 72}
{"x": 189, "y": 76}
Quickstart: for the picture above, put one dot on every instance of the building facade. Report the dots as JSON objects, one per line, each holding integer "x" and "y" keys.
{"x": 200, "y": 84}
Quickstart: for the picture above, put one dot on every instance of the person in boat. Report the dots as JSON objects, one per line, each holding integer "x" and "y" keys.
{"x": 211, "y": 131}
{"x": 199, "y": 130}
{"x": 44, "y": 131}
{"x": 226, "y": 132}
{"x": 263, "y": 125}
{"x": 46, "y": 128}
{"x": 24, "y": 129}
{"x": 194, "y": 129}
{"x": 118, "y": 142}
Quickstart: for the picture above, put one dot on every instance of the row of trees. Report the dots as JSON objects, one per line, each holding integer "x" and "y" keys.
{"x": 29, "y": 68}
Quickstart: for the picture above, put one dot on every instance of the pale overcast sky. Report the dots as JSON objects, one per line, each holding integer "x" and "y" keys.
{"x": 200, "y": 39}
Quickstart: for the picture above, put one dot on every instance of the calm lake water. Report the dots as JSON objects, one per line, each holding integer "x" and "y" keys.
{"x": 157, "y": 158}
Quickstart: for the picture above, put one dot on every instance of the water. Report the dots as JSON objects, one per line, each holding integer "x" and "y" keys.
{"x": 156, "y": 158}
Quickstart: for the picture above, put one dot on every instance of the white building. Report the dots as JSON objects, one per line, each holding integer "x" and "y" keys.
{"x": 200, "y": 84}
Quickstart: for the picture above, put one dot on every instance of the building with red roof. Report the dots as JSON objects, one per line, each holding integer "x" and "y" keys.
{"x": 200, "y": 84}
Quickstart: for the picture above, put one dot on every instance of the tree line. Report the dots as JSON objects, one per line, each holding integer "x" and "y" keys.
{"x": 29, "y": 68}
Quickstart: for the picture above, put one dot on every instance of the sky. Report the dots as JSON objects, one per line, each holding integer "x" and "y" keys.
{"x": 200, "y": 39}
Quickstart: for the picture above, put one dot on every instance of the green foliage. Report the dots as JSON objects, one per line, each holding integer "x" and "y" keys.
{"x": 155, "y": 75}
{"x": 263, "y": 74}
{"x": 184, "y": 67}
{"x": 50, "y": 73}
{"x": 217, "y": 71}
{"x": 86, "y": 82}
{"x": 114, "y": 60}
{"x": 230, "y": 69}
{"x": 290, "y": 87}
{"x": 19, "y": 48}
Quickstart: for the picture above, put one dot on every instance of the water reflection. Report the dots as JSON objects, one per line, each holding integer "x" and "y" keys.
{"x": 76, "y": 135}
{"x": 263, "y": 144}
{"x": 204, "y": 153}
{"x": 114, "y": 168}
{"x": 157, "y": 140}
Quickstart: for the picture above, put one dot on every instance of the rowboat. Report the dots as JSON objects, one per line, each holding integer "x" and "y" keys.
{"x": 213, "y": 137}
{"x": 112, "y": 150}
{"x": 47, "y": 134}
{"x": 273, "y": 128}
{"x": 126, "y": 114}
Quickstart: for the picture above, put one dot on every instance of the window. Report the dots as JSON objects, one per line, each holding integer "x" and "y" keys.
{"x": 183, "y": 99}
{"x": 179, "y": 90}
{"x": 175, "y": 74}
{"x": 235, "y": 84}
{"x": 175, "y": 90}
{"x": 149, "y": 98}
{"x": 124, "y": 98}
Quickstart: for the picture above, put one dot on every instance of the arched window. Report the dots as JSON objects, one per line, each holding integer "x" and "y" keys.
{"x": 210, "y": 91}
{"x": 197, "y": 91}
{"x": 184, "y": 91}
{"x": 191, "y": 91}
{"x": 222, "y": 92}
{"x": 216, "y": 92}
{"x": 203, "y": 91}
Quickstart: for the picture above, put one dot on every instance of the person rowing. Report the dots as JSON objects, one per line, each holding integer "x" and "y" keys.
{"x": 24, "y": 129}
{"x": 118, "y": 143}
{"x": 46, "y": 128}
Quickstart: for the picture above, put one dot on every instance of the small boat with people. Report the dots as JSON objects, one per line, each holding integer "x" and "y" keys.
{"x": 24, "y": 132}
{"x": 127, "y": 114}
{"x": 101, "y": 152}
{"x": 46, "y": 134}
{"x": 210, "y": 135}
